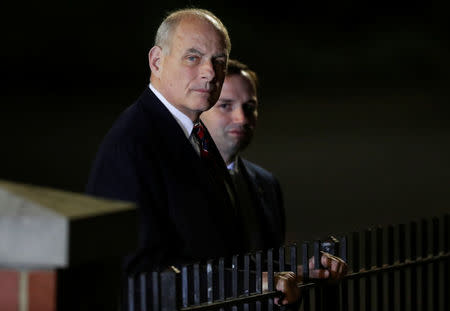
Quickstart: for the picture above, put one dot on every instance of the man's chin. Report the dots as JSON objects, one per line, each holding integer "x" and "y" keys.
{"x": 240, "y": 145}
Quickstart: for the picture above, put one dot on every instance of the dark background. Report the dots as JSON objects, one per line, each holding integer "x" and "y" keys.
{"x": 353, "y": 115}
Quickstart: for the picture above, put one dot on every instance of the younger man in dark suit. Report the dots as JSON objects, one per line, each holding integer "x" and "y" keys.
{"x": 231, "y": 122}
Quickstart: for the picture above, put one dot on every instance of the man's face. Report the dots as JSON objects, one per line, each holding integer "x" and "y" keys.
{"x": 192, "y": 73}
{"x": 232, "y": 120}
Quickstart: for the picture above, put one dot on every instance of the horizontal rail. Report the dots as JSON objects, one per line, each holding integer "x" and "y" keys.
{"x": 397, "y": 266}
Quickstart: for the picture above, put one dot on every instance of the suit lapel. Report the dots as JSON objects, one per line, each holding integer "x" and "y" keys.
{"x": 179, "y": 151}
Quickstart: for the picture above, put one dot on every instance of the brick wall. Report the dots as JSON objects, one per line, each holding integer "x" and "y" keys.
{"x": 27, "y": 290}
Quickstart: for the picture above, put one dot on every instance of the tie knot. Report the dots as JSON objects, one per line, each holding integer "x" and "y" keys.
{"x": 199, "y": 132}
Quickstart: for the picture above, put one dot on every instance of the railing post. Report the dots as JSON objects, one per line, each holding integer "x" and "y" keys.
{"x": 424, "y": 240}
{"x": 246, "y": 289}
{"x": 330, "y": 292}
{"x": 221, "y": 280}
{"x": 234, "y": 280}
{"x": 413, "y": 270}
{"x": 305, "y": 264}
{"x": 355, "y": 269}
{"x": 401, "y": 259}
{"x": 155, "y": 291}
{"x": 210, "y": 281}
{"x": 143, "y": 291}
{"x": 169, "y": 293}
{"x": 446, "y": 249}
{"x": 379, "y": 264}
{"x": 130, "y": 293}
{"x": 318, "y": 291}
{"x": 435, "y": 266}
{"x": 344, "y": 283}
{"x": 390, "y": 258}
{"x": 368, "y": 266}
{"x": 185, "y": 286}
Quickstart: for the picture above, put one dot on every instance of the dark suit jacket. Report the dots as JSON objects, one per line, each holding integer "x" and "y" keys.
{"x": 268, "y": 199}
{"x": 185, "y": 213}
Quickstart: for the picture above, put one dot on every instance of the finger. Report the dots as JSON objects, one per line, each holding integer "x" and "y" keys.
{"x": 319, "y": 274}
{"x": 276, "y": 301}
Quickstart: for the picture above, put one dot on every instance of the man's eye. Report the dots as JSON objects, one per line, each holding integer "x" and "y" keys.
{"x": 249, "y": 108}
{"x": 220, "y": 63}
{"x": 192, "y": 59}
{"x": 225, "y": 106}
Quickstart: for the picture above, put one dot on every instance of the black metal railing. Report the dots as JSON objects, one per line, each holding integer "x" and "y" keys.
{"x": 402, "y": 267}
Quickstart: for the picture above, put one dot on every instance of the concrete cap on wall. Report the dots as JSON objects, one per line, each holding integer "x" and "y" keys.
{"x": 44, "y": 227}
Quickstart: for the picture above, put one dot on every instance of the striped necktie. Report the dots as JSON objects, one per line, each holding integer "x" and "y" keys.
{"x": 199, "y": 133}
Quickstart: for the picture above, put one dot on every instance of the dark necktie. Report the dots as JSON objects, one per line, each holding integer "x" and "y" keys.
{"x": 213, "y": 161}
{"x": 199, "y": 132}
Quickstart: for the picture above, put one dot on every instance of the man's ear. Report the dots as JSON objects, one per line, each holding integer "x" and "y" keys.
{"x": 154, "y": 60}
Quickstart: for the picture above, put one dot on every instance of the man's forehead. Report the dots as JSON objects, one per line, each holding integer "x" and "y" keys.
{"x": 197, "y": 34}
{"x": 239, "y": 81}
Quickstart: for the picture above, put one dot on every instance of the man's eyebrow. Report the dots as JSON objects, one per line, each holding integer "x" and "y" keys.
{"x": 220, "y": 55}
{"x": 225, "y": 100}
{"x": 195, "y": 51}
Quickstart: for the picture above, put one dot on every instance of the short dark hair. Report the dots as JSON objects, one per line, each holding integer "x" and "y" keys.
{"x": 235, "y": 67}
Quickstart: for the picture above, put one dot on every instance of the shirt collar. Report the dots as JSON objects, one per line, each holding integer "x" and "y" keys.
{"x": 233, "y": 167}
{"x": 186, "y": 124}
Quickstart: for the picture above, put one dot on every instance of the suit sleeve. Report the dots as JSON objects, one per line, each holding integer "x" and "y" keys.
{"x": 124, "y": 172}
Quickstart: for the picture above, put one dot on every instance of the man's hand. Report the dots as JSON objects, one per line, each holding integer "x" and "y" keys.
{"x": 334, "y": 268}
{"x": 287, "y": 284}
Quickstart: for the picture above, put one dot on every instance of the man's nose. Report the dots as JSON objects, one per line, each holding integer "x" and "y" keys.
{"x": 239, "y": 115}
{"x": 207, "y": 70}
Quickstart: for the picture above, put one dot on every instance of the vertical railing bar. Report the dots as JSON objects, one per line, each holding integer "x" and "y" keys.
{"x": 344, "y": 285}
{"x": 282, "y": 265}
{"x": 316, "y": 254}
{"x": 317, "y": 265}
{"x": 234, "y": 279}
{"x": 143, "y": 291}
{"x": 446, "y": 249}
{"x": 221, "y": 269}
{"x": 246, "y": 289}
{"x": 305, "y": 261}
{"x": 413, "y": 269}
{"x": 155, "y": 291}
{"x": 168, "y": 291}
{"x": 368, "y": 266}
{"x": 424, "y": 268}
{"x": 343, "y": 248}
{"x": 305, "y": 274}
{"x": 435, "y": 266}
{"x": 356, "y": 268}
{"x": 130, "y": 293}
{"x": 210, "y": 280}
{"x": 293, "y": 258}
{"x": 196, "y": 283}
{"x": 390, "y": 258}
{"x": 401, "y": 259}
{"x": 270, "y": 271}
{"x": 184, "y": 286}
{"x": 330, "y": 292}
{"x": 379, "y": 264}
{"x": 281, "y": 259}
{"x": 258, "y": 278}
